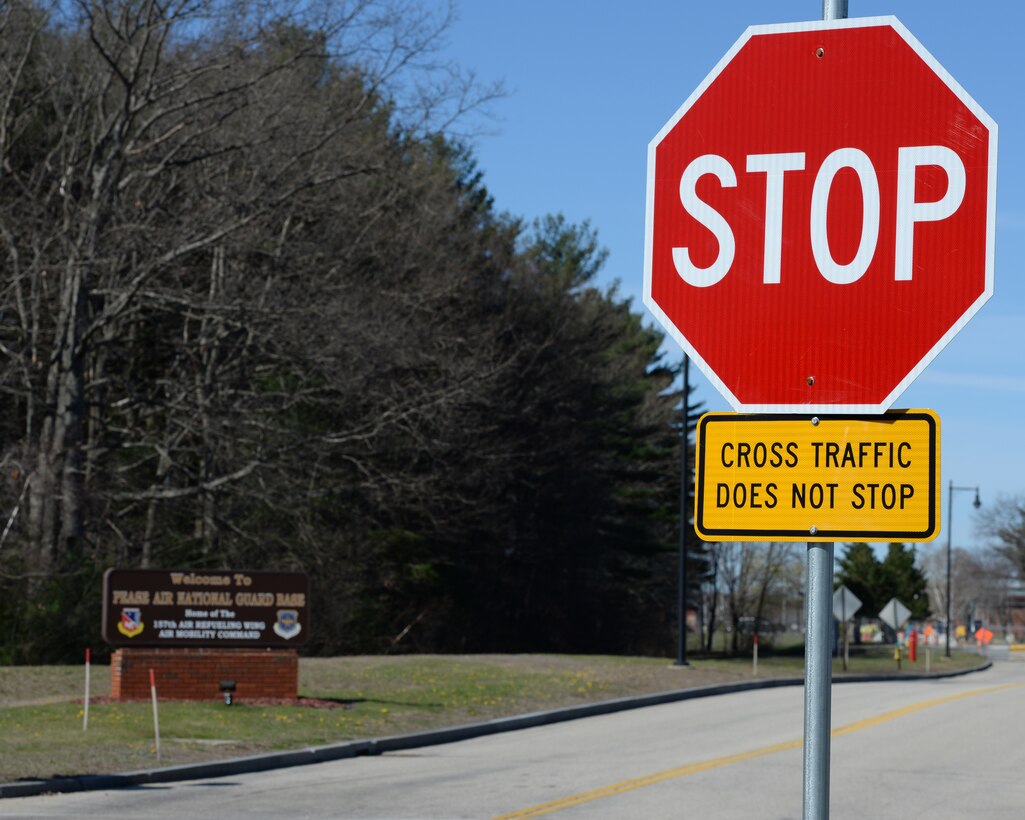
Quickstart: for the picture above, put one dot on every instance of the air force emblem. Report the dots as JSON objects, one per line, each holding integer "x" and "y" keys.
{"x": 287, "y": 625}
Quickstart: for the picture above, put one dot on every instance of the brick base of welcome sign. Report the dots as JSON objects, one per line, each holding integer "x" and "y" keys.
{"x": 196, "y": 673}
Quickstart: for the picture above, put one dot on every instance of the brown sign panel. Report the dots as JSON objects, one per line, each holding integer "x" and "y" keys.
{"x": 229, "y": 608}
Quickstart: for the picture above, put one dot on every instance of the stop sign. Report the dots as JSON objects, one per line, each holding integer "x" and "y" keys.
{"x": 820, "y": 216}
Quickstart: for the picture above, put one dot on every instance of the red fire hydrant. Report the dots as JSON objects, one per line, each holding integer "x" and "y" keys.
{"x": 913, "y": 645}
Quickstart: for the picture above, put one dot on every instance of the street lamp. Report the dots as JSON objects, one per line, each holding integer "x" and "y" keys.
{"x": 681, "y": 645}
{"x": 950, "y": 523}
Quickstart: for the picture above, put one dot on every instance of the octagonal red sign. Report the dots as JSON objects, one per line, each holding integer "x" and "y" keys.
{"x": 820, "y": 216}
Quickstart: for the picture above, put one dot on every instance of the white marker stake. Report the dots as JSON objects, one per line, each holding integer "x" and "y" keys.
{"x": 85, "y": 712}
{"x": 156, "y": 719}
{"x": 755, "y": 656}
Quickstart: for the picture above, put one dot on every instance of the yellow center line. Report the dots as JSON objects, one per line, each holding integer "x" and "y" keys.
{"x": 715, "y": 763}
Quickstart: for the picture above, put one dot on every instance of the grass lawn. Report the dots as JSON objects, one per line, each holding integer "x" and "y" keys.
{"x": 41, "y": 710}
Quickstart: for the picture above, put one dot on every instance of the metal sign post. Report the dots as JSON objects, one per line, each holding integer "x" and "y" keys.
{"x": 818, "y": 678}
{"x": 818, "y": 660}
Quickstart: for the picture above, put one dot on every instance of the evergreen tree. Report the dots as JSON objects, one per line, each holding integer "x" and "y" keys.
{"x": 877, "y": 582}
{"x": 901, "y": 578}
{"x": 860, "y": 573}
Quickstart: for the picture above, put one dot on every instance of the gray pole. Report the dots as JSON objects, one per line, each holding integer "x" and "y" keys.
{"x": 834, "y": 9}
{"x": 818, "y": 676}
{"x": 818, "y": 657}
{"x": 843, "y": 626}
{"x": 681, "y": 646}
{"x": 950, "y": 529}
{"x": 950, "y": 526}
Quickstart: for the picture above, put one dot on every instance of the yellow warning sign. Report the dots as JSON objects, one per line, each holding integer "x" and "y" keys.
{"x": 818, "y": 478}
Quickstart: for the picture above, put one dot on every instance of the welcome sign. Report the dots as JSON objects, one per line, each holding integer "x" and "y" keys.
{"x": 220, "y": 608}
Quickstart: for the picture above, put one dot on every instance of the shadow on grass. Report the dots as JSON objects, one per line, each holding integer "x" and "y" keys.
{"x": 350, "y": 702}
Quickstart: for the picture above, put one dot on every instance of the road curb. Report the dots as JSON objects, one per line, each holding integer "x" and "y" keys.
{"x": 394, "y": 743}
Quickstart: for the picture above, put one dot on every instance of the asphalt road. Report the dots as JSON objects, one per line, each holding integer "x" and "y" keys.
{"x": 942, "y": 749}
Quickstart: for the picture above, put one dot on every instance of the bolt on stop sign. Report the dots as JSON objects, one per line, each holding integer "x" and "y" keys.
{"x": 820, "y": 216}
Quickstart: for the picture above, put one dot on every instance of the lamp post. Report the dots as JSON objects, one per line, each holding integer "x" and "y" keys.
{"x": 950, "y": 523}
{"x": 681, "y": 645}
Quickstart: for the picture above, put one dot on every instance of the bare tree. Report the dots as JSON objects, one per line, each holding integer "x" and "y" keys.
{"x": 1003, "y": 523}
{"x": 150, "y": 151}
{"x": 749, "y": 573}
{"x": 978, "y": 582}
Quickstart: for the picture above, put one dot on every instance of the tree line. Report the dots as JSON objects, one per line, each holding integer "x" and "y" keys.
{"x": 759, "y": 587}
{"x": 977, "y": 583}
{"x": 259, "y": 310}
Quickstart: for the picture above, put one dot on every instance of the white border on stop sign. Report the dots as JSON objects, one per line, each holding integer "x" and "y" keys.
{"x": 955, "y": 87}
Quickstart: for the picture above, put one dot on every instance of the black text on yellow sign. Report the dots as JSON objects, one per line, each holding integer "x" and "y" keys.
{"x": 822, "y": 478}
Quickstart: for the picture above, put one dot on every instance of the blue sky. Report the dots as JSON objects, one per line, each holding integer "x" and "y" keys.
{"x": 592, "y": 81}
